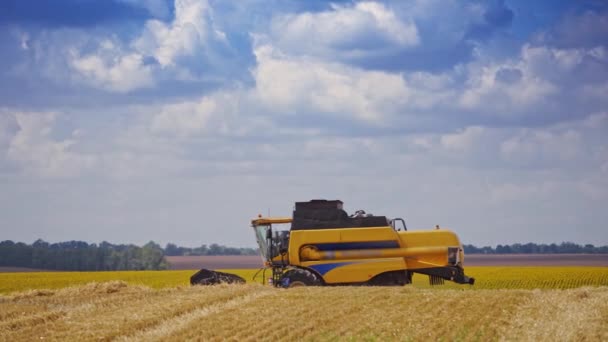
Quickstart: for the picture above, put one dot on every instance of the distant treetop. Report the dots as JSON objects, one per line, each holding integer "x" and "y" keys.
{"x": 533, "y": 248}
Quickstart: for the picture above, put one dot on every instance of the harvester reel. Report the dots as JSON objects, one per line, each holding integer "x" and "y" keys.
{"x": 209, "y": 277}
{"x": 300, "y": 277}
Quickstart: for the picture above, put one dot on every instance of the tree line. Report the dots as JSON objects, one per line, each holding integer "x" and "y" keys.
{"x": 213, "y": 249}
{"x": 533, "y": 248}
{"x": 81, "y": 256}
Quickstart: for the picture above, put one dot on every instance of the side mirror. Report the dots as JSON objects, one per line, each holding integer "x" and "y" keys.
{"x": 393, "y": 223}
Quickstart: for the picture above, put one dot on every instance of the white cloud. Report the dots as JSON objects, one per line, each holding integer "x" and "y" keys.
{"x": 183, "y": 119}
{"x": 440, "y": 145}
{"x": 536, "y": 82}
{"x": 8, "y": 127}
{"x": 117, "y": 67}
{"x": 122, "y": 73}
{"x": 542, "y": 145}
{"x": 354, "y": 30}
{"x": 34, "y": 148}
{"x": 485, "y": 86}
{"x": 289, "y": 85}
{"x": 184, "y": 36}
{"x": 597, "y": 120}
{"x": 526, "y": 86}
{"x": 464, "y": 140}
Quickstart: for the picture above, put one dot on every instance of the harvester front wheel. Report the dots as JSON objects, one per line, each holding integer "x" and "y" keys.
{"x": 300, "y": 277}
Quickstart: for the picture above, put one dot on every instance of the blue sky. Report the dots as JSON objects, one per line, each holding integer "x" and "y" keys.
{"x": 179, "y": 120}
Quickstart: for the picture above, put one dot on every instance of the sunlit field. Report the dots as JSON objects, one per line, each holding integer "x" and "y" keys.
{"x": 11, "y": 282}
{"x": 252, "y": 312}
{"x": 512, "y": 303}
{"x": 486, "y": 278}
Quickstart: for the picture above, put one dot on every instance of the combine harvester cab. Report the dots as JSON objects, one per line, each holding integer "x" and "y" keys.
{"x": 326, "y": 246}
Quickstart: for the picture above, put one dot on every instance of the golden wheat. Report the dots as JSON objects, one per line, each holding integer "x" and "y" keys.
{"x": 117, "y": 310}
{"x": 148, "y": 305}
{"x": 486, "y": 278}
{"x": 528, "y": 277}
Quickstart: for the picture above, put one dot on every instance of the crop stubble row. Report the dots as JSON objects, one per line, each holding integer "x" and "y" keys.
{"x": 116, "y": 310}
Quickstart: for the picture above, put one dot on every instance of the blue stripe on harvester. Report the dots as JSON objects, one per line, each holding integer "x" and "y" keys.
{"x": 324, "y": 268}
{"x": 342, "y": 246}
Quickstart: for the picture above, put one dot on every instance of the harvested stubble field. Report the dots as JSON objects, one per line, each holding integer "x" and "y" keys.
{"x": 507, "y": 303}
{"x": 119, "y": 311}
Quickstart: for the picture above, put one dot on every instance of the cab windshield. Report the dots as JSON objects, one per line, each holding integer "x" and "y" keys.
{"x": 260, "y": 235}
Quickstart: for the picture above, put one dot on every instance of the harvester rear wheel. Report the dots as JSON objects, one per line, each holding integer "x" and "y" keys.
{"x": 300, "y": 277}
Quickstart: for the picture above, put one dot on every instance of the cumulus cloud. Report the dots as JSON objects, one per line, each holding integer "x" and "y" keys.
{"x": 513, "y": 90}
{"x": 183, "y": 119}
{"x": 187, "y": 34}
{"x": 113, "y": 71}
{"x": 537, "y": 79}
{"x": 517, "y": 90}
{"x": 541, "y": 146}
{"x": 508, "y": 87}
{"x": 450, "y": 33}
{"x": 111, "y": 63}
{"x": 514, "y": 138}
{"x": 285, "y": 83}
{"x": 462, "y": 141}
{"x": 508, "y": 75}
{"x": 34, "y": 149}
{"x": 350, "y": 31}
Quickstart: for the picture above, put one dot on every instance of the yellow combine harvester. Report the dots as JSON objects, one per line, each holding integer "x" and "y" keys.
{"x": 326, "y": 246}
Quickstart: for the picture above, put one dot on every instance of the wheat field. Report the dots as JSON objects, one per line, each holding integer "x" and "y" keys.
{"x": 487, "y": 277}
{"x": 119, "y": 311}
{"x": 506, "y": 303}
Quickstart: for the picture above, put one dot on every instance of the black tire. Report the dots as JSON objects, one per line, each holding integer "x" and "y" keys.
{"x": 300, "y": 277}
{"x": 392, "y": 278}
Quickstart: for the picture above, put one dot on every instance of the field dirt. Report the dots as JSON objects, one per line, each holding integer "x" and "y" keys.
{"x": 255, "y": 261}
{"x": 117, "y": 311}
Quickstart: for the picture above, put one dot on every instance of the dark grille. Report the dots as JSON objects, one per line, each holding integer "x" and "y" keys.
{"x": 322, "y": 214}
